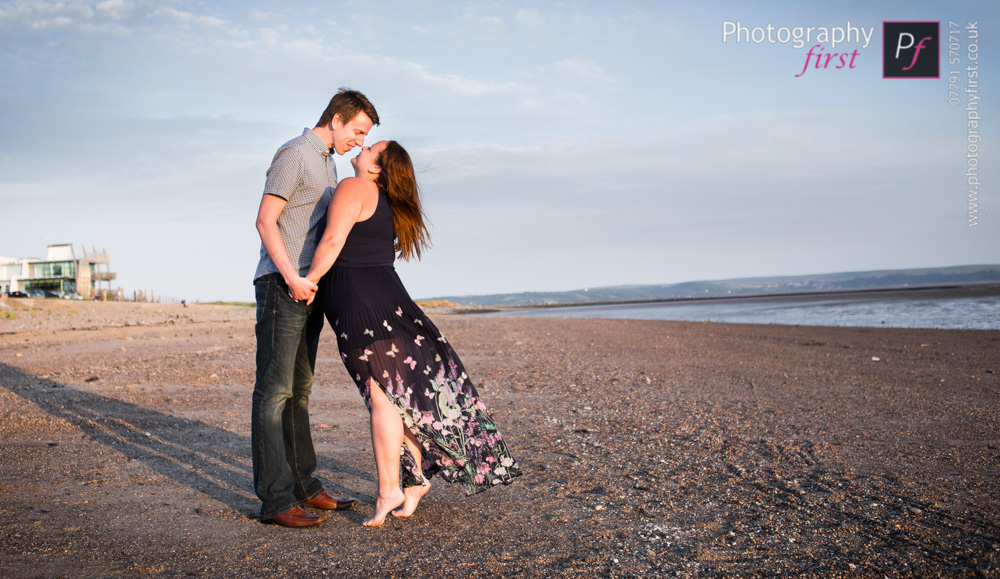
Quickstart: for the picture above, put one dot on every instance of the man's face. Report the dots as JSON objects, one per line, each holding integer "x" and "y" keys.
{"x": 349, "y": 135}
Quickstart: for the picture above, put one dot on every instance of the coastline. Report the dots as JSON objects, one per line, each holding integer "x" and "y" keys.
{"x": 938, "y": 291}
{"x": 973, "y": 308}
{"x": 651, "y": 448}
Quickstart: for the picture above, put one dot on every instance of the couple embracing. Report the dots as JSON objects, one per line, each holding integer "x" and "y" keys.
{"x": 327, "y": 249}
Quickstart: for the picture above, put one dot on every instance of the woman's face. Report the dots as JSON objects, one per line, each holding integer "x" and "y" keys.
{"x": 366, "y": 163}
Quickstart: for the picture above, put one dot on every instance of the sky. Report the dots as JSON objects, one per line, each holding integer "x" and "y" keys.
{"x": 558, "y": 145}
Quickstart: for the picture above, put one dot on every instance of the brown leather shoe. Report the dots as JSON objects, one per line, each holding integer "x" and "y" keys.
{"x": 324, "y": 501}
{"x": 297, "y": 517}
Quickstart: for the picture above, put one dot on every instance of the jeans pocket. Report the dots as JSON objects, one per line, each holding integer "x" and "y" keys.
{"x": 265, "y": 290}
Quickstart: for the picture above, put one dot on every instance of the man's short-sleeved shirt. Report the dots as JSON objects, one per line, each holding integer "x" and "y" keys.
{"x": 304, "y": 174}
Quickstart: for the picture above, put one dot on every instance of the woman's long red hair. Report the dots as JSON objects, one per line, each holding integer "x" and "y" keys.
{"x": 396, "y": 179}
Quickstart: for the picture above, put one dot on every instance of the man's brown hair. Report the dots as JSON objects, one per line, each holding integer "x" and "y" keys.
{"x": 348, "y": 103}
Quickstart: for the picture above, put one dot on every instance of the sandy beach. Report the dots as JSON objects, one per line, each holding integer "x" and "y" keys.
{"x": 650, "y": 448}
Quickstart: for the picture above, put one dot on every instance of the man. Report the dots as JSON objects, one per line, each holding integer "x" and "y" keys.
{"x": 290, "y": 221}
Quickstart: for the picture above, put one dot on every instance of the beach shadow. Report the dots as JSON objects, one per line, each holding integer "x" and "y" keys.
{"x": 210, "y": 460}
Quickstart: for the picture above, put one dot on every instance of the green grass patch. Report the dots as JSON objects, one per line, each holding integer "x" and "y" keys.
{"x": 435, "y": 304}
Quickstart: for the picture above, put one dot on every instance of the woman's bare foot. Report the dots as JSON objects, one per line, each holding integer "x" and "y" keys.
{"x": 383, "y": 506}
{"x": 413, "y": 496}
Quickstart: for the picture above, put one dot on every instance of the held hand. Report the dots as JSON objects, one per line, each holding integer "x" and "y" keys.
{"x": 300, "y": 288}
{"x": 312, "y": 296}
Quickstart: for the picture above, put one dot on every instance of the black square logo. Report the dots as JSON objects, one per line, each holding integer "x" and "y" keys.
{"x": 911, "y": 50}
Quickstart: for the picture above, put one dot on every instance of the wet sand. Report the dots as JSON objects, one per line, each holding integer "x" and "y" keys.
{"x": 650, "y": 448}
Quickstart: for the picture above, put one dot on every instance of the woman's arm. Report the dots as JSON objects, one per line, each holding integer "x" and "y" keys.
{"x": 346, "y": 207}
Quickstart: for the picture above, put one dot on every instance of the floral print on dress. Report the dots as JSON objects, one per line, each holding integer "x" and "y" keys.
{"x": 425, "y": 381}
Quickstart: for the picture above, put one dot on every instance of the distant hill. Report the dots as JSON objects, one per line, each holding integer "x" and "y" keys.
{"x": 846, "y": 281}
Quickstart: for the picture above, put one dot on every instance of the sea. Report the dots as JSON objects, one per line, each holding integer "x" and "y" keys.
{"x": 975, "y": 307}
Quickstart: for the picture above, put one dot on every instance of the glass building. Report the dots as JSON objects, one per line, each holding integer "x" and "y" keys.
{"x": 61, "y": 274}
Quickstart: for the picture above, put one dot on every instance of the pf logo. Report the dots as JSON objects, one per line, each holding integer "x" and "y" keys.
{"x": 911, "y": 50}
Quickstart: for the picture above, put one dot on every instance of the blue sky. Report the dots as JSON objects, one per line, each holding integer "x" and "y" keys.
{"x": 559, "y": 145}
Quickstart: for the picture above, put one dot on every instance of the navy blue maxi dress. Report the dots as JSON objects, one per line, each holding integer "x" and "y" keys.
{"x": 386, "y": 338}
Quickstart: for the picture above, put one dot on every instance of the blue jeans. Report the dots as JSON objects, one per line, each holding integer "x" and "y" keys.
{"x": 283, "y": 454}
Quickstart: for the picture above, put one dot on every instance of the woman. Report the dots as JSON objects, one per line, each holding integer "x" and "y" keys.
{"x": 426, "y": 416}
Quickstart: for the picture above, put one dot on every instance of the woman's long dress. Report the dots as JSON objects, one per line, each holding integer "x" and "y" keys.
{"x": 384, "y": 337}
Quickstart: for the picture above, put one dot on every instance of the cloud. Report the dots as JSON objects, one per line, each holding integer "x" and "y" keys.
{"x": 531, "y": 18}
{"x": 482, "y": 18}
{"x": 585, "y": 70}
{"x": 38, "y": 15}
{"x": 115, "y": 9}
{"x": 449, "y": 83}
{"x": 74, "y": 29}
{"x": 199, "y": 53}
{"x": 186, "y": 18}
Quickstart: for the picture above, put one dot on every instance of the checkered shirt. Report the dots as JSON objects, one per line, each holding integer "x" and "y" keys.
{"x": 304, "y": 174}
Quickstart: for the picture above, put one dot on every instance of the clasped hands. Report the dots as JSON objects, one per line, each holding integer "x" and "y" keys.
{"x": 301, "y": 288}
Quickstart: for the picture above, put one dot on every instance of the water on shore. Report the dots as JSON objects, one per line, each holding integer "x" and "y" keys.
{"x": 973, "y": 307}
